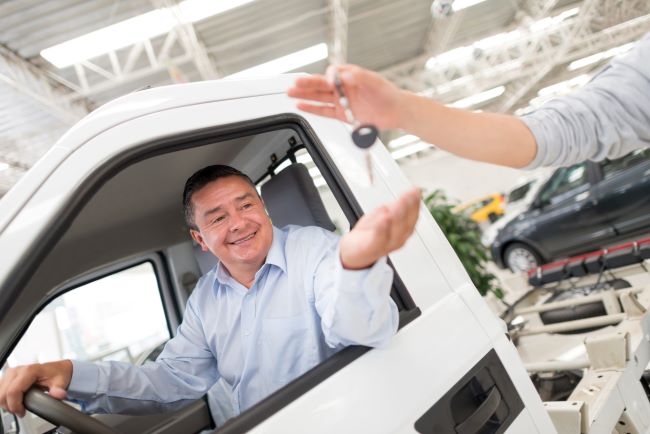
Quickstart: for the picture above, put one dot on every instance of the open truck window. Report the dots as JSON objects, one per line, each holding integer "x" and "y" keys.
{"x": 137, "y": 210}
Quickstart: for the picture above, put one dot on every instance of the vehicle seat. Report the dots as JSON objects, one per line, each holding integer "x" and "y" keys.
{"x": 291, "y": 198}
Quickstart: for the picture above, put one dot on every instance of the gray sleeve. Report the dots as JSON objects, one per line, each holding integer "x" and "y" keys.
{"x": 608, "y": 117}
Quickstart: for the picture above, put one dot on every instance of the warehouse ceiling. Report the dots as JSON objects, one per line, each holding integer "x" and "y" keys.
{"x": 501, "y": 55}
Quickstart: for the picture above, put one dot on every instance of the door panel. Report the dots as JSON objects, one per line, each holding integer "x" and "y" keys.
{"x": 624, "y": 192}
{"x": 568, "y": 220}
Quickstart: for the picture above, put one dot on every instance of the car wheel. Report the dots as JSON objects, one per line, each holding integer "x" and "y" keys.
{"x": 519, "y": 258}
{"x": 493, "y": 217}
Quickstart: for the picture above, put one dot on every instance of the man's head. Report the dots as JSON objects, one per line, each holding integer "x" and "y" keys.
{"x": 226, "y": 216}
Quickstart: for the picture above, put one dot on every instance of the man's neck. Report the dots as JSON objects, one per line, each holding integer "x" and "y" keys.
{"x": 243, "y": 274}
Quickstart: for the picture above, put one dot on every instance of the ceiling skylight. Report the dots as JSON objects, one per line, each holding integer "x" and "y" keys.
{"x": 133, "y": 30}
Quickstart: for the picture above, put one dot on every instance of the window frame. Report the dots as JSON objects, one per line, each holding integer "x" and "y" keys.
{"x": 35, "y": 255}
{"x": 167, "y": 298}
{"x": 548, "y": 202}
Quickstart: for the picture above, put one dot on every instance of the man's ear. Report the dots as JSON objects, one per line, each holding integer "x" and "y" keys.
{"x": 196, "y": 236}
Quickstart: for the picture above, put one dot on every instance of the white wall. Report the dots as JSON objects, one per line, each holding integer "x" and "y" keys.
{"x": 459, "y": 178}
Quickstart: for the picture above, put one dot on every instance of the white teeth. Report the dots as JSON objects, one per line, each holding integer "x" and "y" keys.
{"x": 245, "y": 239}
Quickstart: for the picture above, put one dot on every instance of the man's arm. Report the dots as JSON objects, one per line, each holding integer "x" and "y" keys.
{"x": 493, "y": 138}
{"x": 183, "y": 372}
{"x": 352, "y": 281}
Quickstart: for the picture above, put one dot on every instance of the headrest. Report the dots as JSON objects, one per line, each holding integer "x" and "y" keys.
{"x": 291, "y": 198}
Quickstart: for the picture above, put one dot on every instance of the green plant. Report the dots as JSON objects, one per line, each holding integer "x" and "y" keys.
{"x": 464, "y": 236}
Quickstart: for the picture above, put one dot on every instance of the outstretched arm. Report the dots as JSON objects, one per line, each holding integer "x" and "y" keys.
{"x": 352, "y": 282}
{"x": 490, "y": 137}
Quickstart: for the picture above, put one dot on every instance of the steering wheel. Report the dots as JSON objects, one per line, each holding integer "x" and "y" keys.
{"x": 60, "y": 414}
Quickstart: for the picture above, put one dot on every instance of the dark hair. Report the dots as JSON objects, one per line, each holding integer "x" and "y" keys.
{"x": 202, "y": 178}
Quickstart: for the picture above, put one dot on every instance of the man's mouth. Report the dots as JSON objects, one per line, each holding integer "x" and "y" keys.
{"x": 243, "y": 240}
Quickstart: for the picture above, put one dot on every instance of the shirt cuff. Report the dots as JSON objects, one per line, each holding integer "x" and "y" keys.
{"x": 84, "y": 381}
{"x": 372, "y": 277}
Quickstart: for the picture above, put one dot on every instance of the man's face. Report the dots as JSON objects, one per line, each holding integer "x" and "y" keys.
{"x": 232, "y": 223}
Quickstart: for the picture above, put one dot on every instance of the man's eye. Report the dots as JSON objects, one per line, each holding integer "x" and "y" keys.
{"x": 247, "y": 205}
{"x": 219, "y": 219}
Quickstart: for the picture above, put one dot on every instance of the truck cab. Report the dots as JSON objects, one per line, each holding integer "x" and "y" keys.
{"x": 97, "y": 264}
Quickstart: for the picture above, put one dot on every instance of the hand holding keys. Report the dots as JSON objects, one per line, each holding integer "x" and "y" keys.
{"x": 363, "y": 135}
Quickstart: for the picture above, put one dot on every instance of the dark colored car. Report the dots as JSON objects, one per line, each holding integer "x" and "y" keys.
{"x": 583, "y": 207}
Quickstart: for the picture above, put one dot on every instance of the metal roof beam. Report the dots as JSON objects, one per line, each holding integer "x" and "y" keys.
{"x": 514, "y": 60}
{"x": 190, "y": 41}
{"x": 338, "y": 43}
{"x": 578, "y": 27}
{"x": 37, "y": 84}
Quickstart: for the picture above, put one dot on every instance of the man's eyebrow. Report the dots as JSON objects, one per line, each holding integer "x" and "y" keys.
{"x": 243, "y": 196}
{"x": 212, "y": 211}
{"x": 237, "y": 199}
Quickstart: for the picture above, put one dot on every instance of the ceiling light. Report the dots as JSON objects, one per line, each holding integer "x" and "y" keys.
{"x": 464, "y": 53}
{"x": 411, "y": 149}
{"x": 498, "y": 39}
{"x": 450, "y": 56}
{"x": 594, "y": 58}
{"x": 404, "y": 140}
{"x": 286, "y": 63}
{"x": 549, "y": 22}
{"x": 133, "y": 30}
{"x": 462, "y": 4}
{"x": 3, "y": 166}
{"x": 479, "y": 97}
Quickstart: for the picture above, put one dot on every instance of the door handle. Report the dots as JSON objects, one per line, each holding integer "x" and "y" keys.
{"x": 581, "y": 196}
{"x": 482, "y": 415}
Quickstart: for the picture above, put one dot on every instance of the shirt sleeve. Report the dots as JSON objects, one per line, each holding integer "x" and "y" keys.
{"x": 608, "y": 117}
{"x": 183, "y": 372}
{"x": 354, "y": 305}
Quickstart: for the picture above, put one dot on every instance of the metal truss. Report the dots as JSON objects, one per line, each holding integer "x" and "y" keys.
{"x": 141, "y": 60}
{"x": 338, "y": 44}
{"x": 522, "y": 62}
{"x": 30, "y": 80}
{"x": 190, "y": 41}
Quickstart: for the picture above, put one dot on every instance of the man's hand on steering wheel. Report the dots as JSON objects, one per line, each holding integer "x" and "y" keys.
{"x": 53, "y": 377}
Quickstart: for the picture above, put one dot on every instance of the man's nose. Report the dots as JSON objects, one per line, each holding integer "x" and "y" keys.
{"x": 236, "y": 222}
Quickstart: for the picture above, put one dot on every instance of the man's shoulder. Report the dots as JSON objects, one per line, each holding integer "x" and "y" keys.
{"x": 314, "y": 233}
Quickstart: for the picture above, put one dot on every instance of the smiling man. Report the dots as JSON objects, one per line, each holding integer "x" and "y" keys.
{"x": 278, "y": 302}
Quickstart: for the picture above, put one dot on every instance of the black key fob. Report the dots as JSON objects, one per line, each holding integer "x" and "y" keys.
{"x": 364, "y": 136}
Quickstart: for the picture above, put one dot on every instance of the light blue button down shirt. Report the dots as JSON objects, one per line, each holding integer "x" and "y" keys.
{"x": 302, "y": 308}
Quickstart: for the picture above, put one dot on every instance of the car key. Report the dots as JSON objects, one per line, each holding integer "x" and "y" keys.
{"x": 363, "y": 135}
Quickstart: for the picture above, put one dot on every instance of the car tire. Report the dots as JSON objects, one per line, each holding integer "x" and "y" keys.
{"x": 492, "y": 217}
{"x": 519, "y": 257}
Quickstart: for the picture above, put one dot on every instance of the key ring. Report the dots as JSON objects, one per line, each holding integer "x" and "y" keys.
{"x": 363, "y": 135}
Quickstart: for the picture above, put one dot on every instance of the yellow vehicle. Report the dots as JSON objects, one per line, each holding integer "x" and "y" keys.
{"x": 487, "y": 208}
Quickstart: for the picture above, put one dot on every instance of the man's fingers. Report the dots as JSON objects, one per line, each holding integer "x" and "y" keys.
{"x": 4, "y": 385}
{"x": 57, "y": 392}
{"x": 24, "y": 379}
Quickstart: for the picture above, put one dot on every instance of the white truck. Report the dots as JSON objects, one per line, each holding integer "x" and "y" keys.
{"x": 104, "y": 204}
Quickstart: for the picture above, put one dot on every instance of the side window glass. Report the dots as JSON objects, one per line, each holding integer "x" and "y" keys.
{"x": 117, "y": 317}
{"x": 613, "y": 167}
{"x": 97, "y": 321}
{"x": 331, "y": 205}
{"x": 564, "y": 184}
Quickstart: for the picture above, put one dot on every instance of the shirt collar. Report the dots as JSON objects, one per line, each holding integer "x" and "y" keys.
{"x": 275, "y": 256}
